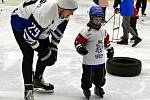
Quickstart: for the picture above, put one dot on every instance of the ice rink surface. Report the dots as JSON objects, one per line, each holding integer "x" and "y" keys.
{"x": 66, "y": 73}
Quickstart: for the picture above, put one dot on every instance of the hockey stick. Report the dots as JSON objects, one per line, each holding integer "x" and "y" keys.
{"x": 109, "y": 19}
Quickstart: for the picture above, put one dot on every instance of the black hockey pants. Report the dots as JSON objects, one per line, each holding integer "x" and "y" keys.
{"x": 28, "y": 54}
{"x": 93, "y": 75}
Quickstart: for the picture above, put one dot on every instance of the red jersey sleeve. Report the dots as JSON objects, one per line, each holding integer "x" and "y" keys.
{"x": 80, "y": 40}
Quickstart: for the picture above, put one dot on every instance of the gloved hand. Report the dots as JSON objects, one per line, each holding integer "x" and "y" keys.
{"x": 115, "y": 5}
{"x": 47, "y": 56}
{"x": 117, "y": 10}
{"x": 51, "y": 59}
{"x": 81, "y": 49}
{"x": 110, "y": 53}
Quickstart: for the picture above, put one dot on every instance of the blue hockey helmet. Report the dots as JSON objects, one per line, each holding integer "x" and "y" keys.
{"x": 96, "y": 11}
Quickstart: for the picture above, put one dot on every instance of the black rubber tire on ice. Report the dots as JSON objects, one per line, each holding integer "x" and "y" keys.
{"x": 123, "y": 66}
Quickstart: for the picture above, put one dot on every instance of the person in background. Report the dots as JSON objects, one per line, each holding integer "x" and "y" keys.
{"x": 103, "y": 4}
{"x": 126, "y": 11}
{"x": 91, "y": 43}
{"x": 32, "y": 22}
{"x": 133, "y": 22}
{"x": 142, "y": 3}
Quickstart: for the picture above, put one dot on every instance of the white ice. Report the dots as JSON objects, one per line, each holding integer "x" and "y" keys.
{"x": 66, "y": 73}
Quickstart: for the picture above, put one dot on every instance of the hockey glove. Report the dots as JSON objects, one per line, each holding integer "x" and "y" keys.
{"x": 47, "y": 56}
{"x": 81, "y": 49}
{"x": 110, "y": 53}
{"x": 117, "y": 10}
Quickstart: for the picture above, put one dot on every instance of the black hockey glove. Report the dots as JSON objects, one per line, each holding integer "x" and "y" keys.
{"x": 117, "y": 10}
{"x": 110, "y": 53}
{"x": 81, "y": 49}
{"x": 47, "y": 56}
{"x": 51, "y": 59}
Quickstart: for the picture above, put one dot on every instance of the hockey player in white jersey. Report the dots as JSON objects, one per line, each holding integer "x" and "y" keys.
{"x": 91, "y": 43}
{"x": 32, "y": 22}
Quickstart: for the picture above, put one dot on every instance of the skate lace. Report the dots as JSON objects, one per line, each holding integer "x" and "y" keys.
{"x": 44, "y": 83}
{"x": 29, "y": 95}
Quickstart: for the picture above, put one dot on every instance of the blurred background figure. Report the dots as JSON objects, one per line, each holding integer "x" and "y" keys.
{"x": 142, "y": 4}
{"x": 103, "y": 4}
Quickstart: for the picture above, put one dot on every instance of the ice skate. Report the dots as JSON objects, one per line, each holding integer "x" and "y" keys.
{"x": 42, "y": 87}
{"x": 28, "y": 93}
{"x": 99, "y": 91}
{"x": 137, "y": 40}
{"x": 87, "y": 94}
{"x": 123, "y": 42}
{"x": 133, "y": 38}
{"x": 144, "y": 14}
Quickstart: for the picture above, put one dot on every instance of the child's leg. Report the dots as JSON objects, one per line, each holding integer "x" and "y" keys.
{"x": 99, "y": 76}
{"x": 99, "y": 80}
{"x": 86, "y": 81}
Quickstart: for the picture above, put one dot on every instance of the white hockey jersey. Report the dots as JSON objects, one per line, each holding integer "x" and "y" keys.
{"x": 44, "y": 15}
{"x": 96, "y": 41}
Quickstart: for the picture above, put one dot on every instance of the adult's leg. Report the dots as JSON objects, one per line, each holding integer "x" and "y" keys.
{"x": 125, "y": 25}
{"x": 133, "y": 25}
{"x": 28, "y": 53}
{"x": 144, "y": 4}
{"x": 138, "y": 4}
{"x": 39, "y": 67}
{"x": 128, "y": 27}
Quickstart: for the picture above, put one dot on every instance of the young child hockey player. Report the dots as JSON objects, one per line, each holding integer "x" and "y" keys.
{"x": 91, "y": 43}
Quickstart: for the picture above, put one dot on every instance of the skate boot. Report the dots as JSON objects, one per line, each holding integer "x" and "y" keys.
{"x": 87, "y": 93}
{"x": 122, "y": 37}
{"x": 133, "y": 38}
{"x": 40, "y": 86}
{"x": 137, "y": 40}
{"x": 144, "y": 14}
{"x": 28, "y": 93}
{"x": 99, "y": 91}
{"x": 124, "y": 41}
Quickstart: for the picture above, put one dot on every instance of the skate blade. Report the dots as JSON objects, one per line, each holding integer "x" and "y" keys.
{"x": 40, "y": 90}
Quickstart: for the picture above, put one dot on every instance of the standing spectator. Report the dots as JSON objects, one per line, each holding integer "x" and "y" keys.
{"x": 142, "y": 3}
{"x": 103, "y": 4}
{"x": 133, "y": 22}
{"x": 126, "y": 11}
{"x": 32, "y": 22}
{"x": 91, "y": 43}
